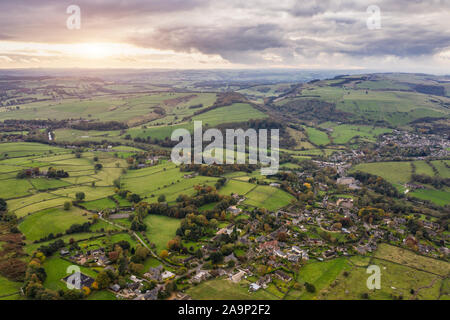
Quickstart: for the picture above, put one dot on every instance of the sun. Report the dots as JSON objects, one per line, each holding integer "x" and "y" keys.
{"x": 97, "y": 50}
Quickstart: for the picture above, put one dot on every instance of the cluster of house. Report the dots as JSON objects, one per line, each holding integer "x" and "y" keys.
{"x": 200, "y": 276}
{"x": 349, "y": 182}
{"x": 96, "y": 256}
{"x": 226, "y": 230}
{"x": 363, "y": 248}
{"x": 239, "y": 275}
{"x": 405, "y": 139}
{"x": 264, "y": 281}
{"x": 133, "y": 290}
{"x": 234, "y": 210}
{"x": 293, "y": 254}
{"x": 150, "y": 161}
{"x": 158, "y": 274}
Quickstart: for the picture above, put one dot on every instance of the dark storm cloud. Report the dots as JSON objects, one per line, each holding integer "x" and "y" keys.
{"x": 404, "y": 44}
{"x": 212, "y": 40}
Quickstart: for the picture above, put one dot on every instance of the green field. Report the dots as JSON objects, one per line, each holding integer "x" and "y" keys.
{"x": 72, "y": 135}
{"x": 235, "y": 186}
{"x": 130, "y": 108}
{"x": 237, "y": 112}
{"x": 47, "y": 184}
{"x": 410, "y": 259}
{"x": 396, "y": 280}
{"x": 31, "y": 247}
{"x": 443, "y": 171}
{"x": 161, "y": 229}
{"x": 8, "y": 287}
{"x": 81, "y": 175}
{"x": 423, "y": 168}
{"x": 55, "y": 220}
{"x": 13, "y": 188}
{"x": 162, "y": 179}
{"x": 342, "y": 134}
{"x": 397, "y": 173}
{"x": 300, "y": 138}
{"x": 438, "y": 197}
{"x": 267, "y": 197}
{"x": 102, "y": 295}
{"x": 317, "y": 137}
{"x": 22, "y": 149}
{"x": 394, "y": 107}
{"x": 98, "y": 205}
{"x": 320, "y": 274}
{"x": 234, "y": 113}
{"x": 401, "y": 272}
{"x": 92, "y": 193}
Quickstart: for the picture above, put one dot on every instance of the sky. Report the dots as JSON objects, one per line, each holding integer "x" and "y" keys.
{"x": 395, "y": 35}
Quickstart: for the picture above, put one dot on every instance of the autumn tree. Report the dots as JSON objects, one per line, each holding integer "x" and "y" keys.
{"x": 164, "y": 254}
{"x": 136, "y": 267}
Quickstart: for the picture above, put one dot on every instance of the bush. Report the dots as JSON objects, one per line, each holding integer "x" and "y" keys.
{"x": 67, "y": 205}
{"x": 80, "y": 196}
{"x": 3, "y": 205}
{"x": 310, "y": 287}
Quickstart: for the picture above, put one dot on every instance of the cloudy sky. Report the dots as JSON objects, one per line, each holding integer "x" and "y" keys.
{"x": 410, "y": 35}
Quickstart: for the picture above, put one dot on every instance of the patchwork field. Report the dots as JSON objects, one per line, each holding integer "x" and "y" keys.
{"x": 234, "y": 113}
{"x": 162, "y": 179}
{"x": 393, "y": 107}
{"x": 321, "y": 118}
{"x": 22, "y": 149}
{"x": 130, "y": 108}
